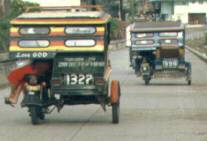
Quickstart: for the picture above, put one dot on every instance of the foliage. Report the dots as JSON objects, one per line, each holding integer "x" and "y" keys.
{"x": 16, "y": 8}
{"x": 132, "y": 9}
{"x": 110, "y": 6}
{"x": 118, "y": 29}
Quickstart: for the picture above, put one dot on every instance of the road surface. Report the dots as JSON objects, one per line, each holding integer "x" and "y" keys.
{"x": 167, "y": 110}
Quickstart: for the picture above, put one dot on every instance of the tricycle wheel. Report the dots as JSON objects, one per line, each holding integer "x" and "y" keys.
{"x": 115, "y": 101}
{"x": 115, "y": 113}
{"x": 147, "y": 81}
{"x": 34, "y": 115}
{"x": 189, "y": 82}
{"x": 41, "y": 115}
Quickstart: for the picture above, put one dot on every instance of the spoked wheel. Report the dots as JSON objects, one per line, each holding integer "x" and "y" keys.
{"x": 115, "y": 101}
{"x": 34, "y": 115}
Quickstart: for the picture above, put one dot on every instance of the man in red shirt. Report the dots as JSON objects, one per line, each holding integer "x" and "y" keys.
{"x": 16, "y": 79}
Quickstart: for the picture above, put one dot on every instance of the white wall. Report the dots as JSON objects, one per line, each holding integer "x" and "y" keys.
{"x": 181, "y": 11}
{"x": 57, "y": 2}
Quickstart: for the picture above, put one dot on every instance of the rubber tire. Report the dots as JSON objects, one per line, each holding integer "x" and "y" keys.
{"x": 115, "y": 113}
{"x": 146, "y": 81}
{"x": 189, "y": 82}
{"x": 34, "y": 115}
{"x": 41, "y": 115}
{"x": 116, "y": 106}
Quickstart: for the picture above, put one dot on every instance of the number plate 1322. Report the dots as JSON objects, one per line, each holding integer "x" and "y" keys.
{"x": 79, "y": 79}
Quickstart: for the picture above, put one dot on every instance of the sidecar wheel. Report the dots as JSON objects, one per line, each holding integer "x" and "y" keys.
{"x": 115, "y": 101}
{"x": 115, "y": 113}
{"x": 146, "y": 81}
{"x": 189, "y": 82}
{"x": 34, "y": 115}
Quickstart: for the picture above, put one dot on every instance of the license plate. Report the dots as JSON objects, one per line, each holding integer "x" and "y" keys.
{"x": 79, "y": 79}
{"x": 170, "y": 63}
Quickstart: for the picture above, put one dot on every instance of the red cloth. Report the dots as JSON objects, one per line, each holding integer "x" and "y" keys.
{"x": 16, "y": 76}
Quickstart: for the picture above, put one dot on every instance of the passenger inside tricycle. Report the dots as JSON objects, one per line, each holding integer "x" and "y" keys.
{"x": 70, "y": 64}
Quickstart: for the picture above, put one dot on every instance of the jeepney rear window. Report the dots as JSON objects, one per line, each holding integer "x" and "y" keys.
{"x": 169, "y": 41}
{"x": 34, "y": 43}
{"x": 144, "y": 35}
{"x": 80, "y": 30}
{"x": 80, "y": 43}
{"x": 168, "y": 34}
{"x": 34, "y": 30}
{"x": 144, "y": 42}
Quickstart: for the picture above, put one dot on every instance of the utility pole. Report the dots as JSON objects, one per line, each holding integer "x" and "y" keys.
{"x": 4, "y": 7}
{"x": 121, "y": 10}
{"x": 1, "y": 8}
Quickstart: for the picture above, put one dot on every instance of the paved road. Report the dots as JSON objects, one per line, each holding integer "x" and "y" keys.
{"x": 167, "y": 110}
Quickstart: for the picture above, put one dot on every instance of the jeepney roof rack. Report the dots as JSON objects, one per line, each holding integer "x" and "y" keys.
{"x": 82, "y": 8}
{"x": 157, "y": 26}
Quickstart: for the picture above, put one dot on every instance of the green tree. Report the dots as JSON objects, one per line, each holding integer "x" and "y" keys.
{"x": 16, "y": 8}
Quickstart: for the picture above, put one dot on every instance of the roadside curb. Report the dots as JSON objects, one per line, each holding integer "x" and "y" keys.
{"x": 202, "y": 56}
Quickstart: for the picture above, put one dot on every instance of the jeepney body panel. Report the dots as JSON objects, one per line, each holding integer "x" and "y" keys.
{"x": 75, "y": 38}
{"x": 45, "y": 33}
{"x": 79, "y": 74}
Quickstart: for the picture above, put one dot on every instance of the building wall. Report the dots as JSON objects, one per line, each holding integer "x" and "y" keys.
{"x": 75, "y": 2}
{"x": 181, "y": 11}
{"x": 57, "y": 2}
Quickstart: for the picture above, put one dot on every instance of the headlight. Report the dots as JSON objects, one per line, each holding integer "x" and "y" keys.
{"x": 34, "y": 30}
{"x": 34, "y": 43}
{"x": 80, "y": 30}
{"x": 144, "y": 42}
{"x": 80, "y": 43}
{"x": 168, "y": 34}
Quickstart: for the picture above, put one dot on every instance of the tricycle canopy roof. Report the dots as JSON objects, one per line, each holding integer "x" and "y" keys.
{"x": 63, "y": 15}
{"x": 157, "y": 26}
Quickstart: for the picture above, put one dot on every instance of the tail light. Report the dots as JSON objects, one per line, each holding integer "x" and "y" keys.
{"x": 56, "y": 82}
{"x": 99, "y": 81}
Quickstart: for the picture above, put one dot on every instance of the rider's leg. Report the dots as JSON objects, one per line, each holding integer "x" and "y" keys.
{"x": 15, "y": 93}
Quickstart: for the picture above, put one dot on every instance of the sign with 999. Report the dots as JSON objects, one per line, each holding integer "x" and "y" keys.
{"x": 79, "y": 79}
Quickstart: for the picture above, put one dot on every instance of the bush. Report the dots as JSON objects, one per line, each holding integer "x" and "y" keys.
{"x": 118, "y": 29}
{"x": 17, "y": 7}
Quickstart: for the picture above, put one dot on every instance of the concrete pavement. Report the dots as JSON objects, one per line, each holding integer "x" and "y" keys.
{"x": 166, "y": 110}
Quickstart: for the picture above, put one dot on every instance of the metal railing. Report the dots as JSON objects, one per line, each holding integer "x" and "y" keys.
{"x": 196, "y": 33}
